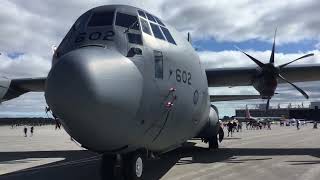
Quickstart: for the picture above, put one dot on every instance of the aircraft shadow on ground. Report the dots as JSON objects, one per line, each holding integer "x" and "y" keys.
{"x": 191, "y": 154}
{"x": 155, "y": 169}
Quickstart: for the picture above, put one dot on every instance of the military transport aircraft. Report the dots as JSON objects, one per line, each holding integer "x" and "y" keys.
{"x": 128, "y": 85}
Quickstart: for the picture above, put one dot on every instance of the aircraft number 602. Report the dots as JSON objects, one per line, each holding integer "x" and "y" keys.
{"x": 106, "y": 36}
{"x": 183, "y": 76}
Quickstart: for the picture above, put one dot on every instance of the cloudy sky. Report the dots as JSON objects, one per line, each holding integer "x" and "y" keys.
{"x": 30, "y": 28}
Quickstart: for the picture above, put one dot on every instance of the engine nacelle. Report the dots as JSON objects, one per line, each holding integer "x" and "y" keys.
{"x": 265, "y": 83}
{"x": 4, "y": 86}
{"x": 213, "y": 125}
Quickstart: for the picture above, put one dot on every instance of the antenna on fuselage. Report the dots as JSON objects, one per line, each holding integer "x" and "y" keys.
{"x": 189, "y": 38}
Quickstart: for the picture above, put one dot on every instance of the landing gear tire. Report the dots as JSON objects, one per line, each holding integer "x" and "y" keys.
{"x": 107, "y": 167}
{"x": 213, "y": 143}
{"x": 134, "y": 164}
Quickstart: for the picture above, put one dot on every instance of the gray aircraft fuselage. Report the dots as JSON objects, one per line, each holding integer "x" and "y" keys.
{"x": 117, "y": 87}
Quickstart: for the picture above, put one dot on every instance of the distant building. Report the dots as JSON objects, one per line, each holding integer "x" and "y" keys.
{"x": 298, "y": 112}
{"x": 314, "y": 105}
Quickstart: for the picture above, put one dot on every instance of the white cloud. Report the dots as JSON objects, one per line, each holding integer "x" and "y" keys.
{"x": 237, "y": 59}
{"x": 33, "y": 26}
{"x": 26, "y": 65}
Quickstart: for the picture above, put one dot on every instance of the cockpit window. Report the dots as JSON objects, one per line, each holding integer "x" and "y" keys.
{"x": 156, "y": 31}
{"x": 150, "y": 17}
{"x": 103, "y": 18}
{"x": 127, "y": 21}
{"x": 159, "y": 21}
{"x": 134, "y": 38}
{"x": 145, "y": 26}
{"x": 168, "y": 35}
{"x": 141, "y": 13}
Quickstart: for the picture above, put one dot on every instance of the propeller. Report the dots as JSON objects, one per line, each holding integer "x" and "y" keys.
{"x": 273, "y": 71}
{"x": 267, "y": 106}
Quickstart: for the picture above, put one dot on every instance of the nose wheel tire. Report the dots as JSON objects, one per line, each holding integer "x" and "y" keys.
{"x": 134, "y": 165}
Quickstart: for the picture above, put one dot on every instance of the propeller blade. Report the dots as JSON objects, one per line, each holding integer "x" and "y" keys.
{"x": 267, "y": 106}
{"x": 297, "y": 88}
{"x": 273, "y": 48}
{"x": 284, "y": 65}
{"x": 259, "y": 63}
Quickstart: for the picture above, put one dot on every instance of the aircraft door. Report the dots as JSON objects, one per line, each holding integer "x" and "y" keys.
{"x": 162, "y": 73}
{"x": 165, "y": 95}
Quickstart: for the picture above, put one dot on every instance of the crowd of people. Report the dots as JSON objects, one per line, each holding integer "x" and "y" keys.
{"x": 233, "y": 126}
{"x": 25, "y": 130}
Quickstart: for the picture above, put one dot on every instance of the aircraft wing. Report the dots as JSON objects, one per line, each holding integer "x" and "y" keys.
{"x": 216, "y": 98}
{"x": 12, "y": 88}
{"x": 218, "y": 77}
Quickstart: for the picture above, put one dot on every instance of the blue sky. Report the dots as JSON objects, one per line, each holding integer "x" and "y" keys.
{"x": 256, "y": 45}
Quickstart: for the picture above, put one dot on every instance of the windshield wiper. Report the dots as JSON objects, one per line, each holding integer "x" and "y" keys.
{"x": 131, "y": 26}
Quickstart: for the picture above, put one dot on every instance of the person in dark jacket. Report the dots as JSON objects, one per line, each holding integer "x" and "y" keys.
{"x": 230, "y": 128}
{"x": 25, "y": 130}
{"x": 31, "y": 130}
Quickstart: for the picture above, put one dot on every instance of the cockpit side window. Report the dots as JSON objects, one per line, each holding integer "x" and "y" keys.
{"x": 142, "y": 14}
{"x": 145, "y": 26}
{"x": 134, "y": 38}
{"x": 150, "y": 17}
{"x": 168, "y": 35}
{"x": 156, "y": 31}
{"x": 103, "y": 18}
{"x": 127, "y": 21}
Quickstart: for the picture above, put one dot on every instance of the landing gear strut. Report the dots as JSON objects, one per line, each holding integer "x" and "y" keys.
{"x": 213, "y": 143}
{"x": 107, "y": 168}
{"x": 130, "y": 166}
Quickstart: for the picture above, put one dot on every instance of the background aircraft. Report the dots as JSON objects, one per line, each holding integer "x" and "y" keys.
{"x": 248, "y": 117}
{"x": 128, "y": 85}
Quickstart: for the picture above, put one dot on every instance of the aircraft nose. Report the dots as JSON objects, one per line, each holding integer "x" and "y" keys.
{"x": 96, "y": 93}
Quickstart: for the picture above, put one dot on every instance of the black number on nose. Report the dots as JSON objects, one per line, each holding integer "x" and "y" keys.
{"x": 95, "y": 36}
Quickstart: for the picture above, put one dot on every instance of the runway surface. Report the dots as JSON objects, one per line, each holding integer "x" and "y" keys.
{"x": 280, "y": 153}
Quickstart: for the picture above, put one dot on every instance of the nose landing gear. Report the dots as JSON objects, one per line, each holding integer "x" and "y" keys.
{"x": 133, "y": 165}
{"x": 128, "y": 167}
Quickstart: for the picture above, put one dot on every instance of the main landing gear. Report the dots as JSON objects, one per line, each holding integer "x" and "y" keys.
{"x": 213, "y": 141}
{"x": 129, "y": 166}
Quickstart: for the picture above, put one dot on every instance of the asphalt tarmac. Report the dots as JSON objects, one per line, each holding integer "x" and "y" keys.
{"x": 280, "y": 153}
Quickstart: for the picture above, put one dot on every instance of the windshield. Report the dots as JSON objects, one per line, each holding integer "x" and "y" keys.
{"x": 127, "y": 21}
{"x": 104, "y": 18}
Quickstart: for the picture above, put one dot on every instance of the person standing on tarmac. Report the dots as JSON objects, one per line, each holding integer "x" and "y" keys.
{"x": 234, "y": 126}
{"x": 25, "y": 130}
{"x": 269, "y": 125}
{"x": 298, "y": 124}
{"x": 239, "y": 126}
{"x": 230, "y": 127}
{"x": 31, "y": 130}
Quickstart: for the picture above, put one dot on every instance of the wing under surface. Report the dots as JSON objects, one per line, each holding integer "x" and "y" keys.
{"x": 230, "y": 77}
{"x": 217, "y": 98}
{"x": 12, "y": 88}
